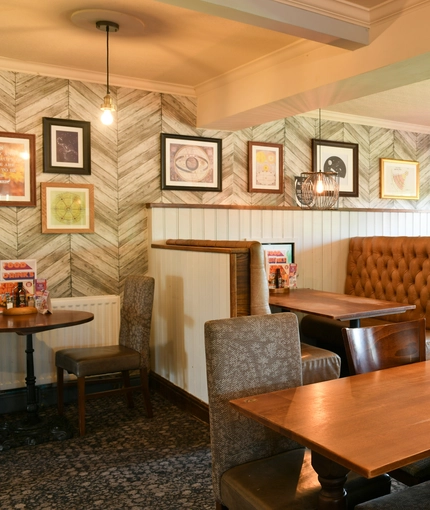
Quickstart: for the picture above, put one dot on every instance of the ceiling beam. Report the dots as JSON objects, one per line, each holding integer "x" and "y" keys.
{"x": 287, "y": 19}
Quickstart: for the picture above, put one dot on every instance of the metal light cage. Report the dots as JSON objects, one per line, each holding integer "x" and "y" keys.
{"x": 320, "y": 190}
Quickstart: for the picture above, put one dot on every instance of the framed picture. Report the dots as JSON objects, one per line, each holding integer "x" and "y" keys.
{"x": 67, "y": 208}
{"x": 399, "y": 179}
{"x": 338, "y": 157}
{"x": 265, "y": 166}
{"x": 17, "y": 170}
{"x": 190, "y": 163}
{"x": 66, "y": 146}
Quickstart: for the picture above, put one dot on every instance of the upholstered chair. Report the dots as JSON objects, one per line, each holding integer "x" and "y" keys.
{"x": 385, "y": 346}
{"x": 131, "y": 353}
{"x": 254, "y": 467}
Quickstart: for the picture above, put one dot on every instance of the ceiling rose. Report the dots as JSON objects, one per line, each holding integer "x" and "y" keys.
{"x": 87, "y": 19}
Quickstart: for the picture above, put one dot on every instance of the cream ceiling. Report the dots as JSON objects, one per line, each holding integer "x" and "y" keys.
{"x": 246, "y": 61}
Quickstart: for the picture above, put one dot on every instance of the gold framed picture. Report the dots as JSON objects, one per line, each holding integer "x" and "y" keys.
{"x": 399, "y": 179}
{"x": 67, "y": 208}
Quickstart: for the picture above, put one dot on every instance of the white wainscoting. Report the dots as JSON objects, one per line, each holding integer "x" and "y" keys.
{"x": 191, "y": 289}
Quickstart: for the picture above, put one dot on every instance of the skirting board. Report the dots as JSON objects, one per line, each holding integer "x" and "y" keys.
{"x": 13, "y": 401}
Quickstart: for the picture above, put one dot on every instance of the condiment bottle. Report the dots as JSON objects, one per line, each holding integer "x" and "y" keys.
{"x": 20, "y": 296}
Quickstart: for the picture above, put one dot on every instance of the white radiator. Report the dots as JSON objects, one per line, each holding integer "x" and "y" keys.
{"x": 103, "y": 330}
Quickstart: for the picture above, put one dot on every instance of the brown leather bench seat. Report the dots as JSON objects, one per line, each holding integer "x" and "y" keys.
{"x": 379, "y": 267}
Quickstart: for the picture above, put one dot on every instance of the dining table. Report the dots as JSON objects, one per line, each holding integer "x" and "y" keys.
{"x": 33, "y": 429}
{"x": 335, "y": 305}
{"x": 369, "y": 423}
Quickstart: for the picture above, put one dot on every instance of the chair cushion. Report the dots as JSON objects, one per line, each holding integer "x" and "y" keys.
{"x": 97, "y": 360}
{"x": 412, "y": 498}
{"x": 319, "y": 364}
{"x": 287, "y": 480}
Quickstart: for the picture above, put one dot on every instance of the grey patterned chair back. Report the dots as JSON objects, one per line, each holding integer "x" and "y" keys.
{"x": 136, "y": 313}
{"x": 247, "y": 356}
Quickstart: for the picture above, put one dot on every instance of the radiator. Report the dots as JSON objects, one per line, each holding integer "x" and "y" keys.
{"x": 103, "y": 330}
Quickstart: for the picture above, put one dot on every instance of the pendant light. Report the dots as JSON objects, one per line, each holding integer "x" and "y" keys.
{"x": 107, "y": 107}
{"x": 320, "y": 190}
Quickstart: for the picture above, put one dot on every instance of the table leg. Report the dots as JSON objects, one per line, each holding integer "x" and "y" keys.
{"x": 332, "y": 477}
{"x": 32, "y": 429}
{"x": 32, "y": 406}
{"x": 354, "y": 323}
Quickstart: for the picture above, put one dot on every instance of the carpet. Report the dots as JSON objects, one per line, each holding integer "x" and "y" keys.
{"x": 125, "y": 461}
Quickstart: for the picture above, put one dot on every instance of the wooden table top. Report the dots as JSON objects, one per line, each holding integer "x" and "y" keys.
{"x": 335, "y": 306}
{"x": 36, "y": 322}
{"x": 369, "y": 423}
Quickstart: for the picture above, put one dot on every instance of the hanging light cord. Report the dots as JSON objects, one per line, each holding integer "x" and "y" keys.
{"x": 107, "y": 59}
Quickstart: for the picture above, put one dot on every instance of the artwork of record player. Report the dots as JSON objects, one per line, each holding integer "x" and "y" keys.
{"x": 338, "y": 157}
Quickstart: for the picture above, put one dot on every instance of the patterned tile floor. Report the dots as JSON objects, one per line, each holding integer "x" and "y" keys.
{"x": 125, "y": 461}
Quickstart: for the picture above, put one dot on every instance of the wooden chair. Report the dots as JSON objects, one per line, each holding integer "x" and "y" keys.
{"x": 254, "y": 467}
{"x": 386, "y": 346}
{"x": 131, "y": 353}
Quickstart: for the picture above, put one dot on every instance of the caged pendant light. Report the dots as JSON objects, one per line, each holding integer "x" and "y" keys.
{"x": 107, "y": 107}
{"x": 320, "y": 190}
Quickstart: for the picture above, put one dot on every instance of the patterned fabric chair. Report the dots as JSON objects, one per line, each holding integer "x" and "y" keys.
{"x": 254, "y": 467}
{"x": 131, "y": 353}
{"x": 412, "y": 498}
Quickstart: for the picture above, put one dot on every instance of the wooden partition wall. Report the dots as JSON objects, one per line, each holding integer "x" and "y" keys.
{"x": 193, "y": 287}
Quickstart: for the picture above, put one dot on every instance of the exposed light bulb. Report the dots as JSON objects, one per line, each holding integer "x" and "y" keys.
{"x": 320, "y": 185}
{"x": 107, "y": 117}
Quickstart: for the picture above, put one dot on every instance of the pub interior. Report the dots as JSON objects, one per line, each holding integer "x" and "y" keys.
{"x": 225, "y": 79}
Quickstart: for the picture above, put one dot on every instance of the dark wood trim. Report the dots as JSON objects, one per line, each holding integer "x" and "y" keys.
{"x": 233, "y": 285}
{"x": 278, "y": 208}
{"x": 199, "y": 248}
{"x": 179, "y": 397}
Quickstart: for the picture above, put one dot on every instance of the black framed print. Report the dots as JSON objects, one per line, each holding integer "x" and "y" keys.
{"x": 338, "y": 157}
{"x": 66, "y": 146}
{"x": 191, "y": 163}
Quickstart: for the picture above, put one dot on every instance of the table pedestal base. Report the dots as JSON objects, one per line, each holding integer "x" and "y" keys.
{"x": 332, "y": 477}
{"x": 33, "y": 432}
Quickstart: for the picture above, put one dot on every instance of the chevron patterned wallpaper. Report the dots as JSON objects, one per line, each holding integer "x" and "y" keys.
{"x": 126, "y": 174}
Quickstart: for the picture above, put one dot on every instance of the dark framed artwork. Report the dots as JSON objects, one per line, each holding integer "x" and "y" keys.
{"x": 265, "y": 167}
{"x": 66, "y": 146}
{"x": 191, "y": 163}
{"x": 17, "y": 170}
{"x": 338, "y": 157}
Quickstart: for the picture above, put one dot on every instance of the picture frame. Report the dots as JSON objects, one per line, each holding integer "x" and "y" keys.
{"x": 66, "y": 146}
{"x": 265, "y": 167}
{"x": 17, "y": 170}
{"x": 338, "y": 157}
{"x": 67, "y": 208}
{"x": 399, "y": 179}
{"x": 190, "y": 163}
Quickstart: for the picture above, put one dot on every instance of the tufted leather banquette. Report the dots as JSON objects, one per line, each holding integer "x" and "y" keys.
{"x": 380, "y": 267}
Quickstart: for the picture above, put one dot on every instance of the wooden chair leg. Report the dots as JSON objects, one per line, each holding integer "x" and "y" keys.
{"x": 126, "y": 383}
{"x": 144, "y": 381}
{"x": 60, "y": 391}
{"x": 81, "y": 405}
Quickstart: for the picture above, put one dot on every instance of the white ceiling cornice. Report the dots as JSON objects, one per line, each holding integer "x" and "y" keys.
{"x": 94, "y": 77}
{"x": 366, "y": 121}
